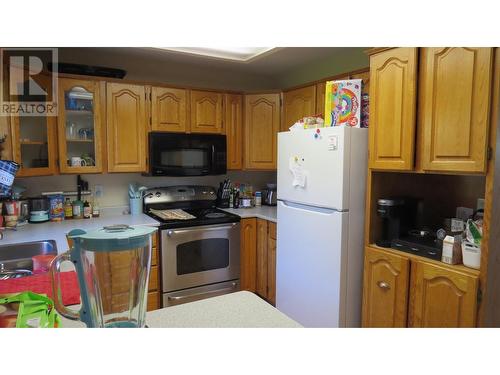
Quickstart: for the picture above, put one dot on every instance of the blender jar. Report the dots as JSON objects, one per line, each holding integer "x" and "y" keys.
{"x": 112, "y": 264}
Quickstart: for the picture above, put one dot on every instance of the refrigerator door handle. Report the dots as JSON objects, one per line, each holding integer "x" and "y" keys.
{"x": 307, "y": 208}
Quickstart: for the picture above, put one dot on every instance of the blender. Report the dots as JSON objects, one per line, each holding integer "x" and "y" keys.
{"x": 112, "y": 264}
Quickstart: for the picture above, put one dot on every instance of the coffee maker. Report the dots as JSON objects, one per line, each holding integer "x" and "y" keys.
{"x": 398, "y": 217}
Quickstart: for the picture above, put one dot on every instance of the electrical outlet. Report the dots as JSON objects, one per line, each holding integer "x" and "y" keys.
{"x": 98, "y": 191}
{"x": 480, "y": 204}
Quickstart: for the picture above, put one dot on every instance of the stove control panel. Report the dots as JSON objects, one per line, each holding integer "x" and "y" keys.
{"x": 182, "y": 193}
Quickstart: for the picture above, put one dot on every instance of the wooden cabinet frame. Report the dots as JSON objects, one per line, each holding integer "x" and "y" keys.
{"x": 91, "y": 86}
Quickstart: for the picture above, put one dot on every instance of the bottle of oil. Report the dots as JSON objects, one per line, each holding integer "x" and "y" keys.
{"x": 68, "y": 209}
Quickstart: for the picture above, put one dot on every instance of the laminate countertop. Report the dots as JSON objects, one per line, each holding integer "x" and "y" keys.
{"x": 57, "y": 230}
{"x": 262, "y": 212}
{"x": 234, "y": 310}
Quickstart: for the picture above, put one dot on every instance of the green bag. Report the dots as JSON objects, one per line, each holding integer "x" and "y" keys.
{"x": 35, "y": 310}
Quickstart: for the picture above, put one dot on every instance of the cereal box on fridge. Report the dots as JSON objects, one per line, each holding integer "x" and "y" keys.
{"x": 343, "y": 103}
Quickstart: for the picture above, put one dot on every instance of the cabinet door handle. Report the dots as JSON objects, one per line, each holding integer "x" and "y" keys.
{"x": 383, "y": 285}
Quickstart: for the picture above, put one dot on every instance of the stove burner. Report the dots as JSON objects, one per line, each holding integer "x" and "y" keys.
{"x": 215, "y": 215}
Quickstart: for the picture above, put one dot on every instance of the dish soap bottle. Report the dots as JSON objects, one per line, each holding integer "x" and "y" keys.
{"x": 68, "y": 209}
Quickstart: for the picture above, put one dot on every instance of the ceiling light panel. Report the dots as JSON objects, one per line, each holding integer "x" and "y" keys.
{"x": 228, "y": 53}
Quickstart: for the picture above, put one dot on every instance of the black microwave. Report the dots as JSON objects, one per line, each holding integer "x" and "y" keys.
{"x": 176, "y": 154}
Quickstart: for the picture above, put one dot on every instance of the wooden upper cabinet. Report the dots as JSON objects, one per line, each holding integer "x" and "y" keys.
{"x": 320, "y": 98}
{"x": 297, "y": 104}
{"x": 393, "y": 75}
{"x": 365, "y": 78}
{"x": 34, "y": 140}
{"x": 385, "y": 289}
{"x": 440, "y": 297}
{"x": 248, "y": 254}
{"x": 262, "y": 122}
{"x": 454, "y": 104}
{"x": 233, "y": 126}
{"x": 126, "y": 127}
{"x": 80, "y": 126}
{"x": 206, "y": 112}
{"x": 169, "y": 109}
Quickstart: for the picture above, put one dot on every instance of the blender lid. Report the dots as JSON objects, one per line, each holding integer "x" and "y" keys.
{"x": 113, "y": 237}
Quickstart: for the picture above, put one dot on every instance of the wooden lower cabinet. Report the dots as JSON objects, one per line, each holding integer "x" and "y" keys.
{"x": 248, "y": 254}
{"x": 271, "y": 264}
{"x": 154, "y": 278}
{"x": 258, "y": 258}
{"x": 261, "y": 282}
{"x": 385, "y": 289}
{"x": 402, "y": 290}
{"x": 441, "y": 298}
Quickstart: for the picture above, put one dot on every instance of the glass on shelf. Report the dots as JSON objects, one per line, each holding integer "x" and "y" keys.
{"x": 80, "y": 145}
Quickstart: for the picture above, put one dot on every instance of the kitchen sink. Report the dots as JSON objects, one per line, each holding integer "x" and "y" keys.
{"x": 17, "y": 257}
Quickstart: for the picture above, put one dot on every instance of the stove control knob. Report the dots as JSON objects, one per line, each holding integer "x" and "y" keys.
{"x": 158, "y": 194}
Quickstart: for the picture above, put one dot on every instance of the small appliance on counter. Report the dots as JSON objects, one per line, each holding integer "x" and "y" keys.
{"x": 390, "y": 210}
{"x": 270, "y": 198}
{"x": 39, "y": 210}
{"x": 104, "y": 257}
{"x": 401, "y": 228}
{"x": 420, "y": 242}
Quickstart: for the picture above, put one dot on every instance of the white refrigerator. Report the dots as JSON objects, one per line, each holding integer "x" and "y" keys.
{"x": 321, "y": 204}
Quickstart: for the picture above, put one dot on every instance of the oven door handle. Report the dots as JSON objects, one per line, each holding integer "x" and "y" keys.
{"x": 171, "y": 232}
{"x": 180, "y": 298}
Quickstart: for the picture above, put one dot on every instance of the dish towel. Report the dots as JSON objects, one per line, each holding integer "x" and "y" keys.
{"x": 42, "y": 284}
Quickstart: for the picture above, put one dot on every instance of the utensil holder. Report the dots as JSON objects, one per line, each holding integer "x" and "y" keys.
{"x": 135, "y": 206}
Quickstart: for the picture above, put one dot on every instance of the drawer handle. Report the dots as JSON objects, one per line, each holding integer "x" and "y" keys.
{"x": 383, "y": 285}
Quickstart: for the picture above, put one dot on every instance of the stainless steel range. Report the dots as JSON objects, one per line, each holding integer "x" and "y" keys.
{"x": 200, "y": 244}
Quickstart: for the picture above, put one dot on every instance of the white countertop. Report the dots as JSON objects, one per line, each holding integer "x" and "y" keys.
{"x": 262, "y": 212}
{"x": 234, "y": 310}
{"x": 57, "y": 230}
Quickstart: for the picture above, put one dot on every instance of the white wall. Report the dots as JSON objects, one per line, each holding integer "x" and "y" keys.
{"x": 116, "y": 184}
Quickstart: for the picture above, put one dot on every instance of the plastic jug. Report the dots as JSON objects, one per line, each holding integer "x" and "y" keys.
{"x": 112, "y": 264}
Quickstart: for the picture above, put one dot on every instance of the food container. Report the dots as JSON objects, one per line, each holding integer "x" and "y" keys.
{"x": 12, "y": 207}
{"x": 471, "y": 254}
{"x": 10, "y": 220}
{"x": 8, "y": 170}
{"x": 56, "y": 207}
{"x": 451, "y": 250}
{"x": 258, "y": 198}
{"x": 246, "y": 202}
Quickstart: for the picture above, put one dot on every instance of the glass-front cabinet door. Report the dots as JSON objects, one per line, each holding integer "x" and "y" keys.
{"x": 79, "y": 126}
{"x": 34, "y": 141}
